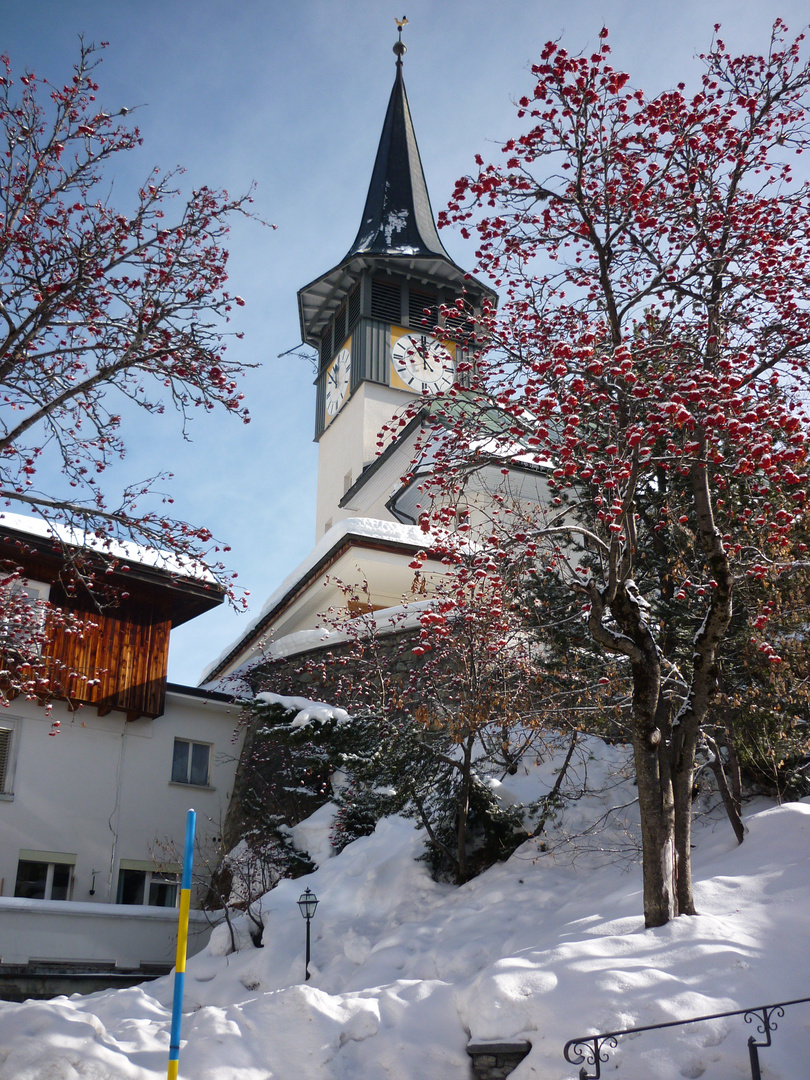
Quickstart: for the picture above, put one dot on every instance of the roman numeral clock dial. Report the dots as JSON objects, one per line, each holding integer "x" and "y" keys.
{"x": 337, "y": 382}
{"x": 422, "y": 363}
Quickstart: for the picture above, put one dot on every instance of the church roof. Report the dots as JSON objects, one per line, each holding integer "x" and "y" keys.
{"x": 397, "y": 232}
{"x": 397, "y": 219}
{"x": 343, "y": 541}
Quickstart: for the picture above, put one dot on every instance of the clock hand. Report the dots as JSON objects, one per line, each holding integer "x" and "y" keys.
{"x": 424, "y": 350}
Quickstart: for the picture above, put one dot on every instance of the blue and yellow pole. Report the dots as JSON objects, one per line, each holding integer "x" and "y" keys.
{"x": 182, "y": 942}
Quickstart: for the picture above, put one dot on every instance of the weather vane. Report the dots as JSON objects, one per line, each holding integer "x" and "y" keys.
{"x": 399, "y": 48}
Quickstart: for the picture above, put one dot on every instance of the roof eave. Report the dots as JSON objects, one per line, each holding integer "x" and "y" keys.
{"x": 321, "y": 298}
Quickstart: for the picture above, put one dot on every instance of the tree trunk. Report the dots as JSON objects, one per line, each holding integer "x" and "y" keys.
{"x": 729, "y": 793}
{"x": 655, "y": 795}
{"x": 683, "y": 750}
{"x": 464, "y": 812}
{"x": 694, "y": 710}
{"x": 656, "y": 806}
{"x": 550, "y": 798}
{"x": 651, "y": 754}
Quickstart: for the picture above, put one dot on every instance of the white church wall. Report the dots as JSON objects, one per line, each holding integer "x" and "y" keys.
{"x": 347, "y": 446}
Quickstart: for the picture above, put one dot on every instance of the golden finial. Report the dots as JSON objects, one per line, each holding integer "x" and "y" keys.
{"x": 399, "y": 48}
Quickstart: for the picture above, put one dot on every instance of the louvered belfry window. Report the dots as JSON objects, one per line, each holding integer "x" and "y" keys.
{"x": 460, "y": 323}
{"x": 354, "y": 306}
{"x": 341, "y": 327}
{"x": 423, "y": 309}
{"x": 326, "y": 348}
{"x": 386, "y": 303}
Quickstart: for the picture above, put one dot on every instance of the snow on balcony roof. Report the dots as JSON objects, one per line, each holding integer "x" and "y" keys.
{"x": 159, "y": 559}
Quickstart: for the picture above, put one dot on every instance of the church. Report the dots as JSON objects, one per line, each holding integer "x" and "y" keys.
{"x": 392, "y": 324}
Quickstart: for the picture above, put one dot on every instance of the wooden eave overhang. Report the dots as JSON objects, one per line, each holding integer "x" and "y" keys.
{"x": 44, "y": 557}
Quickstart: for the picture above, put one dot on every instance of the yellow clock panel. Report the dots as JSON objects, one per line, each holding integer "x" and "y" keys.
{"x": 420, "y": 362}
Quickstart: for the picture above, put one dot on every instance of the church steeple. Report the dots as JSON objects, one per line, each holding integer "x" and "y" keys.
{"x": 395, "y": 318}
{"x": 397, "y": 233}
{"x": 397, "y": 219}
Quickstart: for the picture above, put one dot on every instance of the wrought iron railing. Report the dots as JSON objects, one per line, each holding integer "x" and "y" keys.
{"x": 591, "y": 1049}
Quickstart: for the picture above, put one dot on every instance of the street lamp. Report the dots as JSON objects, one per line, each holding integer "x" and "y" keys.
{"x": 307, "y": 902}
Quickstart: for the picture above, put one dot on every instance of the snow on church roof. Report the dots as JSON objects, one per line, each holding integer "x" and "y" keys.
{"x": 391, "y": 533}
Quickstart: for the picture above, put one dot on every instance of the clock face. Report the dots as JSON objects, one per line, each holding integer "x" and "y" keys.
{"x": 337, "y": 381}
{"x": 423, "y": 363}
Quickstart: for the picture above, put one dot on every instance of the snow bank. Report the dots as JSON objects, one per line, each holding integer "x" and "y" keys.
{"x": 548, "y": 946}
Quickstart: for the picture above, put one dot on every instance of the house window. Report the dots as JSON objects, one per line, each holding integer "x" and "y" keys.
{"x": 24, "y": 614}
{"x": 190, "y": 763}
{"x": 143, "y": 883}
{"x": 5, "y": 754}
{"x": 44, "y": 875}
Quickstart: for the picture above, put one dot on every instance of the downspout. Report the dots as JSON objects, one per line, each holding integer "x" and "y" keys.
{"x": 119, "y": 782}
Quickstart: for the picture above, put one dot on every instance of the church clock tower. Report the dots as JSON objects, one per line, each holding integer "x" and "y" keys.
{"x": 373, "y": 317}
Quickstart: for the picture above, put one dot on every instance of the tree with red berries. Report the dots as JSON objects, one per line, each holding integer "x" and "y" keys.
{"x": 436, "y": 698}
{"x": 653, "y": 354}
{"x": 100, "y": 304}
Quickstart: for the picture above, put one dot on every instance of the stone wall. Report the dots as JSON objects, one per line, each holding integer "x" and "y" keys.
{"x": 496, "y": 1060}
{"x": 338, "y": 674}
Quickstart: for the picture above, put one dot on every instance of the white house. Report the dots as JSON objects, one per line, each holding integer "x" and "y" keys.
{"x": 97, "y": 776}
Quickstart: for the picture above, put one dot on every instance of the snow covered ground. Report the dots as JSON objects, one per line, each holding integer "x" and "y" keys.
{"x": 548, "y": 946}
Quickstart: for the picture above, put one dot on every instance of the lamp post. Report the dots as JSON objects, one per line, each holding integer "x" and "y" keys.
{"x": 307, "y": 902}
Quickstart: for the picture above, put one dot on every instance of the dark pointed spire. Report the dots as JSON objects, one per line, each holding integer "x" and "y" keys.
{"x": 397, "y": 219}
{"x": 397, "y": 233}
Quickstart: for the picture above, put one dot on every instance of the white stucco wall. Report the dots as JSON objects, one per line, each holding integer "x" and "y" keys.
{"x": 348, "y": 445}
{"x": 126, "y": 936}
{"x": 101, "y": 791}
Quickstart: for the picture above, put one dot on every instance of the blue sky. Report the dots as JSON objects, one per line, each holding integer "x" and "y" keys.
{"x": 291, "y": 94}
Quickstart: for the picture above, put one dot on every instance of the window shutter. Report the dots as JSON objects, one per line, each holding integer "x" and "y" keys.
{"x": 5, "y": 751}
